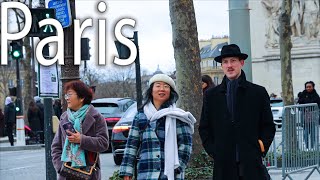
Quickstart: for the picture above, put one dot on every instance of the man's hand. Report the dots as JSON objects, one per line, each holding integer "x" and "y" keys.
{"x": 127, "y": 178}
{"x": 74, "y": 137}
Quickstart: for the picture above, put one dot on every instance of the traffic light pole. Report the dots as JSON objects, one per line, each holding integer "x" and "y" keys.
{"x": 138, "y": 73}
{"x": 50, "y": 171}
{"x": 18, "y": 100}
{"x": 69, "y": 71}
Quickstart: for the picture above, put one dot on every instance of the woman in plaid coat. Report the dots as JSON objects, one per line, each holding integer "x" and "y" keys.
{"x": 161, "y": 135}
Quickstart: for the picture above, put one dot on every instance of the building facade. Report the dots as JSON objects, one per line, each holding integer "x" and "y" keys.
{"x": 305, "y": 53}
{"x": 208, "y": 51}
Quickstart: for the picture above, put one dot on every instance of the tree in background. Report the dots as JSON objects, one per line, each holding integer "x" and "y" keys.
{"x": 118, "y": 82}
{"x": 286, "y": 70}
{"x": 27, "y": 93}
{"x": 187, "y": 58}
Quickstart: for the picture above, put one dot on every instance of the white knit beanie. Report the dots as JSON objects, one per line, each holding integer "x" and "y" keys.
{"x": 163, "y": 78}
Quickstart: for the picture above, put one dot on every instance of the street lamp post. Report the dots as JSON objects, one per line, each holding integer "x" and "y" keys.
{"x": 69, "y": 71}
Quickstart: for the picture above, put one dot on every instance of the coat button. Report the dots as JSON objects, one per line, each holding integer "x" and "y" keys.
{"x": 158, "y": 156}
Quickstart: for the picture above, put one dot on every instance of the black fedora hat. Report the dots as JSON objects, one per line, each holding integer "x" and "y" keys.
{"x": 231, "y": 50}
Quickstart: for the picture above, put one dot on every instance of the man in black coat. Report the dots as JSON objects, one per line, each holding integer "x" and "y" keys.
{"x": 236, "y": 125}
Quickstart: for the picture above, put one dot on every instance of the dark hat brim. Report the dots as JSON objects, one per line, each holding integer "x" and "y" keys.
{"x": 242, "y": 56}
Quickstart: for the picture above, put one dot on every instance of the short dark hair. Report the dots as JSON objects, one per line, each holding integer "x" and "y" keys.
{"x": 148, "y": 97}
{"x": 309, "y": 82}
{"x": 81, "y": 89}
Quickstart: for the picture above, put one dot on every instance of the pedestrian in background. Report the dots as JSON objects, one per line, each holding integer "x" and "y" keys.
{"x": 91, "y": 137}
{"x": 206, "y": 82}
{"x": 236, "y": 125}
{"x": 39, "y": 104}
{"x": 162, "y": 133}
{"x": 10, "y": 118}
{"x": 2, "y": 124}
{"x": 309, "y": 95}
{"x": 57, "y": 108}
{"x": 34, "y": 117}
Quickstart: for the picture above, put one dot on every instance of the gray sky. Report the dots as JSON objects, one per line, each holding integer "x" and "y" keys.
{"x": 153, "y": 24}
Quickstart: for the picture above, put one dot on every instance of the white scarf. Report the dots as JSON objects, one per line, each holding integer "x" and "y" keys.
{"x": 171, "y": 159}
{"x": 8, "y": 100}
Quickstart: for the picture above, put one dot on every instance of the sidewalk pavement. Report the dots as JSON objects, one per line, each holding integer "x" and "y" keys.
{"x": 5, "y": 145}
{"x": 276, "y": 174}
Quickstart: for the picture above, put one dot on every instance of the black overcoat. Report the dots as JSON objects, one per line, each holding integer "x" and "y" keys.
{"x": 220, "y": 134}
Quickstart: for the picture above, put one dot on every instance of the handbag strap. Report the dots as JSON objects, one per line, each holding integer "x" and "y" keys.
{"x": 95, "y": 162}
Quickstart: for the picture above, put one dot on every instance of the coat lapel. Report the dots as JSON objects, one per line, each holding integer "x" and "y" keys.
{"x": 89, "y": 120}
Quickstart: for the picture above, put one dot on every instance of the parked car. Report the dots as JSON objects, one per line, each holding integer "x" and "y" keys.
{"x": 120, "y": 133}
{"x": 112, "y": 110}
{"x": 276, "y": 108}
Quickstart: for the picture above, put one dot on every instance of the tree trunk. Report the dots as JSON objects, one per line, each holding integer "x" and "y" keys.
{"x": 187, "y": 58}
{"x": 27, "y": 89}
{"x": 286, "y": 71}
{"x": 285, "y": 52}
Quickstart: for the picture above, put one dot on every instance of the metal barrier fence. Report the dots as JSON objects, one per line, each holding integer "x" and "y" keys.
{"x": 300, "y": 139}
{"x": 270, "y": 160}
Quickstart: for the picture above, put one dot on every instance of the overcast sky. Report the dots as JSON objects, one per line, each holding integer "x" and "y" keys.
{"x": 153, "y": 26}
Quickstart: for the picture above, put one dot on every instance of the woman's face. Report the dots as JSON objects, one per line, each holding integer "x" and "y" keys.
{"x": 73, "y": 101}
{"x": 204, "y": 85}
{"x": 309, "y": 87}
{"x": 160, "y": 92}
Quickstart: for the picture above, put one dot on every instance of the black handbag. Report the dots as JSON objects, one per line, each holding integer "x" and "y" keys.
{"x": 72, "y": 173}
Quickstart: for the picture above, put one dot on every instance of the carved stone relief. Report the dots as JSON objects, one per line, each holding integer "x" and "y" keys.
{"x": 304, "y": 22}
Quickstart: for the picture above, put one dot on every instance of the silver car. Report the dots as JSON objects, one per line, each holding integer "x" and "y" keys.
{"x": 276, "y": 108}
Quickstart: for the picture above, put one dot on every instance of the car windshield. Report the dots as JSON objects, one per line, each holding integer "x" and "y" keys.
{"x": 276, "y": 103}
{"x": 131, "y": 112}
{"x": 106, "y": 108}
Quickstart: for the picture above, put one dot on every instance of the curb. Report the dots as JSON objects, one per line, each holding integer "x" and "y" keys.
{"x": 20, "y": 148}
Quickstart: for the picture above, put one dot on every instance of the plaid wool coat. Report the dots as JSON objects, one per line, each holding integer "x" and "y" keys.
{"x": 143, "y": 134}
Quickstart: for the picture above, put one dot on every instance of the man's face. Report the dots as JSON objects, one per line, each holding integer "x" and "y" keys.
{"x": 231, "y": 67}
{"x": 309, "y": 87}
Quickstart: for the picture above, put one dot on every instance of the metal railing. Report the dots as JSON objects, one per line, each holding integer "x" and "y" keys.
{"x": 270, "y": 160}
{"x": 300, "y": 139}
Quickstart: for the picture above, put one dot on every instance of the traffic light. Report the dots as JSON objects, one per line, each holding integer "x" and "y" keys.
{"x": 123, "y": 50}
{"x": 85, "y": 49}
{"x": 13, "y": 91}
{"x": 18, "y": 106}
{"x": 38, "y": 15}
{"x": 16, "y": 49}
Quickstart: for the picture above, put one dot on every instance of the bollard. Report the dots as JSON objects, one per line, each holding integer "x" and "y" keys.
{"x": 21, "y": 137}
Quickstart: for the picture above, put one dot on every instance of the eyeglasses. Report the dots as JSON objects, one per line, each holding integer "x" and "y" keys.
{"x": 160, "y": 86}
{"x": 67, "y": 96}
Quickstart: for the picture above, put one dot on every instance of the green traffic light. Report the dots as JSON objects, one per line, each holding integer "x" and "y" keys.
{"x": 16, "y": 54}
{"x": 48, "y": 28}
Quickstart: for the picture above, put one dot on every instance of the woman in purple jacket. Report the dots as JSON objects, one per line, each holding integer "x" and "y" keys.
{"x": 90, "y": 136}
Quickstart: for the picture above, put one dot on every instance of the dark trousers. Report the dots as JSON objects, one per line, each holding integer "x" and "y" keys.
{"x": 9, "y": 132}
{"x": 239, "y": 171}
